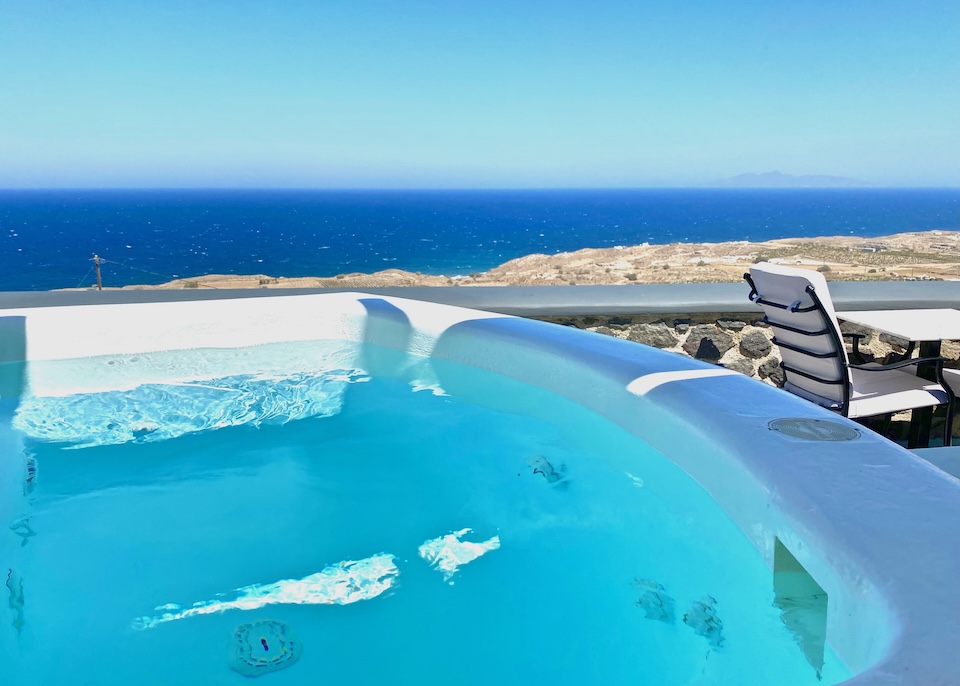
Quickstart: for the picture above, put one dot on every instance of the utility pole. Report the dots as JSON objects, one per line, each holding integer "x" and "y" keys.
{"x": 96, "y": 264}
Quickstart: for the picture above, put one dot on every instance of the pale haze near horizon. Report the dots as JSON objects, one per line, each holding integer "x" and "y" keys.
{"x": 380, "y": 94}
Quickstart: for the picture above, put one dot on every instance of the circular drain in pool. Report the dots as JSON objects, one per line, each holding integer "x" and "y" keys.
{"x": 814, "y": 429}
{"x": 263, "y": 647}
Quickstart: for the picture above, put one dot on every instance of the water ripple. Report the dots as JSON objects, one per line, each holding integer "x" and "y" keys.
{"x": 156, "y": 412}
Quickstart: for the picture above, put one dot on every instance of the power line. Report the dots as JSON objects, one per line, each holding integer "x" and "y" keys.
{"x": 84, "y": 277}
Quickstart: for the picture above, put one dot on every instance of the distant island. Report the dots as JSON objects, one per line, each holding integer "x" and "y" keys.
{"x": 776, "y": 179}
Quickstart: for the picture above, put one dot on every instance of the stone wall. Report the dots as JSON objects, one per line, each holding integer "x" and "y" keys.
{"x": 736, "y": 341}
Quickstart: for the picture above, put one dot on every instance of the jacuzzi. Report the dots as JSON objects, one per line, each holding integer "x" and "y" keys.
{"x": 857, "y": 542}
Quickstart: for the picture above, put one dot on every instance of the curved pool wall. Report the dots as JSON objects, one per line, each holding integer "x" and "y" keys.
{"x": 877, "y": 528}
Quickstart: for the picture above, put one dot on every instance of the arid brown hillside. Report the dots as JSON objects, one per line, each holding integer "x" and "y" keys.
{"x": 911, "y": 256}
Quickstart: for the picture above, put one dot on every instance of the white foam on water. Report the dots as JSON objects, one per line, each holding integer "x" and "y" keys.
{"x": 160, "y": 411}
{"x": 346, "y": 582}
{"x": 637, "y": 481}
{"x": 448, "y": 553}
{"x": 434, "y": 388}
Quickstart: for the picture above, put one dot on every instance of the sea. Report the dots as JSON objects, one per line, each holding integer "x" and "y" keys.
{"x": 49, "y": 237}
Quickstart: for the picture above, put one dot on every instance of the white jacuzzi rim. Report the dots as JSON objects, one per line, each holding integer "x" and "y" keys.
{"x": 903, "y": 573}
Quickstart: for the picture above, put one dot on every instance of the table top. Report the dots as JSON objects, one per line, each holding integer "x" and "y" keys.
{"x": 912, "y": 325}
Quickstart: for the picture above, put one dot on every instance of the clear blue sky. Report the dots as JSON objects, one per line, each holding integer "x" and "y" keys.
{"x": 518, "y": 93}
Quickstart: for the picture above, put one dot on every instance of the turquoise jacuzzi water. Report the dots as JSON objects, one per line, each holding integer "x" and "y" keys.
{"x": 434, "y": 523}
{"x": 371, "y": 488}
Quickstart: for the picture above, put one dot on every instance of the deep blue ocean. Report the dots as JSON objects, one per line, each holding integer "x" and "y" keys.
{"x": 48, "y": 237}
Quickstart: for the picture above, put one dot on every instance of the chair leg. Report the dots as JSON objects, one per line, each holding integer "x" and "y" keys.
{"x": 882, "y": 422}
{"x": 885, "y": 421}
{"x": 878, "y": 424}
{"x": 948, "y": 430}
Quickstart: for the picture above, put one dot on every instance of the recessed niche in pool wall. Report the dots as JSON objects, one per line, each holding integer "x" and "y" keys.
{"x": 13, "y": 355}
{"x": 802, "y": 604}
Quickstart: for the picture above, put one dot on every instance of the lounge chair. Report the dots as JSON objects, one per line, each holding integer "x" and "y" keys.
{"x": 796, "y": 304}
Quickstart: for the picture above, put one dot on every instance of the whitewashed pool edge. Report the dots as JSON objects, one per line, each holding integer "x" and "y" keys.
{"x": 877, "y": 528}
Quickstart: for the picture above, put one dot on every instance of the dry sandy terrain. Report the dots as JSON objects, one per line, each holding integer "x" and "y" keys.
{"x": 924, "y": 255}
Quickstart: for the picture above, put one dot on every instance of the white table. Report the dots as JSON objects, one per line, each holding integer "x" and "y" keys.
{"x": 929, "y": 328}
{"x": 917, "y": 326}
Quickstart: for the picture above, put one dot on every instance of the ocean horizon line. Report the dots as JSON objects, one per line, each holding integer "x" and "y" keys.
{"x": 468, "y": 189}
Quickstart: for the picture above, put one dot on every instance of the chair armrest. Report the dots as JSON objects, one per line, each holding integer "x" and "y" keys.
{"x": 906, "y": 354}
{"x": 900, "y": 364}
{"x": 855, "y": 354}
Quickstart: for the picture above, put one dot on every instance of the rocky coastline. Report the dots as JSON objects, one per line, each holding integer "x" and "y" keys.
{"x": 928, "y": 255}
